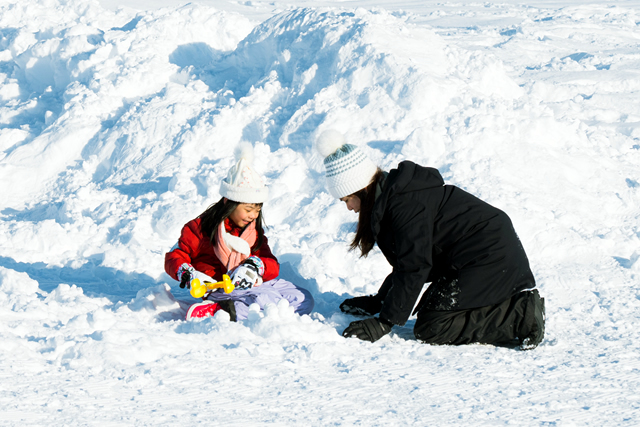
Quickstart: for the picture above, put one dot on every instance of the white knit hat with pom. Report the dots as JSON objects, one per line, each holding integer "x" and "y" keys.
{"x": 348, "y": 169}
{"x": 243, "y": 184}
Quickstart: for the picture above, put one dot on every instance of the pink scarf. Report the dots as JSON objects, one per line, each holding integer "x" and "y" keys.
{"x": 227, "y": 253}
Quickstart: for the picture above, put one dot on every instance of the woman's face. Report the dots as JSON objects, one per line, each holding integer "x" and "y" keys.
{"x": 353, "y": 202}
{"x": 244, "y": 214}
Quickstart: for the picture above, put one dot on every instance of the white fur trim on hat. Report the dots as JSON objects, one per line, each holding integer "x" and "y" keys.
{"x": 243, "y": 184}
{"x": 348, "y": 169}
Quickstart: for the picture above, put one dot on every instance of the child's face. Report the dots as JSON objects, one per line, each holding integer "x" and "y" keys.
{"x": 353, "y": 202}
{"x": 244, "y": 214}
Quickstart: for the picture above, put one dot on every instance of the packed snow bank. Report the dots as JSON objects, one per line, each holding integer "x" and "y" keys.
{"x": 76, "y": 70}
{"x": 117, "y": 127}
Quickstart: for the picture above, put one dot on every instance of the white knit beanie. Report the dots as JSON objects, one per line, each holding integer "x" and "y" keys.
{"x": 348, "y": 169}
{"x": 243, "y": 184}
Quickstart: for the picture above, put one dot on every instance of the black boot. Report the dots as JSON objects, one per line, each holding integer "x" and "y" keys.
{"x": 230, "y": 307}
{"x": 533, "y": 330}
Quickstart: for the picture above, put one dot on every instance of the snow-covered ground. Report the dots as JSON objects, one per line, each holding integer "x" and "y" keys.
{"x": 117, "y": 124}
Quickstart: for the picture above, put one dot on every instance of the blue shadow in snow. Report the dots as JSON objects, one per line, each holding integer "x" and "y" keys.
{"x": 161, "y": 185}
{"x": 326, "y": 303}
{"x": 578, "y": 56}
{"x": 95, "y": 280}
{"x": 129, "y": 25}
{"x": 509, "y": 33}
{"x": 197, "y": 55}
{"x": 42, "y": 212}
{"x": 627, "y": 262}
{"x": 386, "y": 147}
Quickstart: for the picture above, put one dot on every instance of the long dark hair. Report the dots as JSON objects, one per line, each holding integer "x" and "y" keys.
{"x": 364, "y": 239}
{"x": 211, "y": 218}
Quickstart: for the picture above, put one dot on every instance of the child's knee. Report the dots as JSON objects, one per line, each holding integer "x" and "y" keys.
{"x": 306, "y": 303}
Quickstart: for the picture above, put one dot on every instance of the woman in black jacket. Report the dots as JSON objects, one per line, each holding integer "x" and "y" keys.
{"x": 481, "y": 287}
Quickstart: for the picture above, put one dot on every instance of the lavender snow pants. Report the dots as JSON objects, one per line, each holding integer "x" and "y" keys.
{"x": 269, "y": 292}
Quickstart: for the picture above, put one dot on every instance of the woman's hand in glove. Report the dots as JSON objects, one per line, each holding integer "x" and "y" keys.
{"x": 362, "y": 306}
{"x": 371, "y": 329}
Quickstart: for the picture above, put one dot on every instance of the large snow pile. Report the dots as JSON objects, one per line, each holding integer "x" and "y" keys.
{"x": 117, "y": 127}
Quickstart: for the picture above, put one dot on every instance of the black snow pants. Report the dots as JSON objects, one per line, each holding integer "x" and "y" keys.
{"x": 507, "y": 323}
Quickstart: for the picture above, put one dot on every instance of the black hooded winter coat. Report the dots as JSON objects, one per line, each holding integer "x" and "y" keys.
{"x": 431, "y": 232}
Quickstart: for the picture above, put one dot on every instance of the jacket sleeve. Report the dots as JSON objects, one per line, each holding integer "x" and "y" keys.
{"x": 413, "y": 236}
{"x": 183, "y": 251}
{"x": 271, "y": 264}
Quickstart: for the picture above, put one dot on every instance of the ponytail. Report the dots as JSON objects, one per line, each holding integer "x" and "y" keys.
{"x": 364, "y": 239}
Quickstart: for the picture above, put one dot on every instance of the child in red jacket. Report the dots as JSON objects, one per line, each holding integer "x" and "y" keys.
{"x": 228, "y": 238}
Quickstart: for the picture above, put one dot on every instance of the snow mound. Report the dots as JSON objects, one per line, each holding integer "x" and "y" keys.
{"x": 116, "y": 128}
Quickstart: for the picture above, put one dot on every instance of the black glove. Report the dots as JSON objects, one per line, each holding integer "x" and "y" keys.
{"x": 185, "y": 279}
{"x": 362, "y": 306}
{"x": 371, "y": 329}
